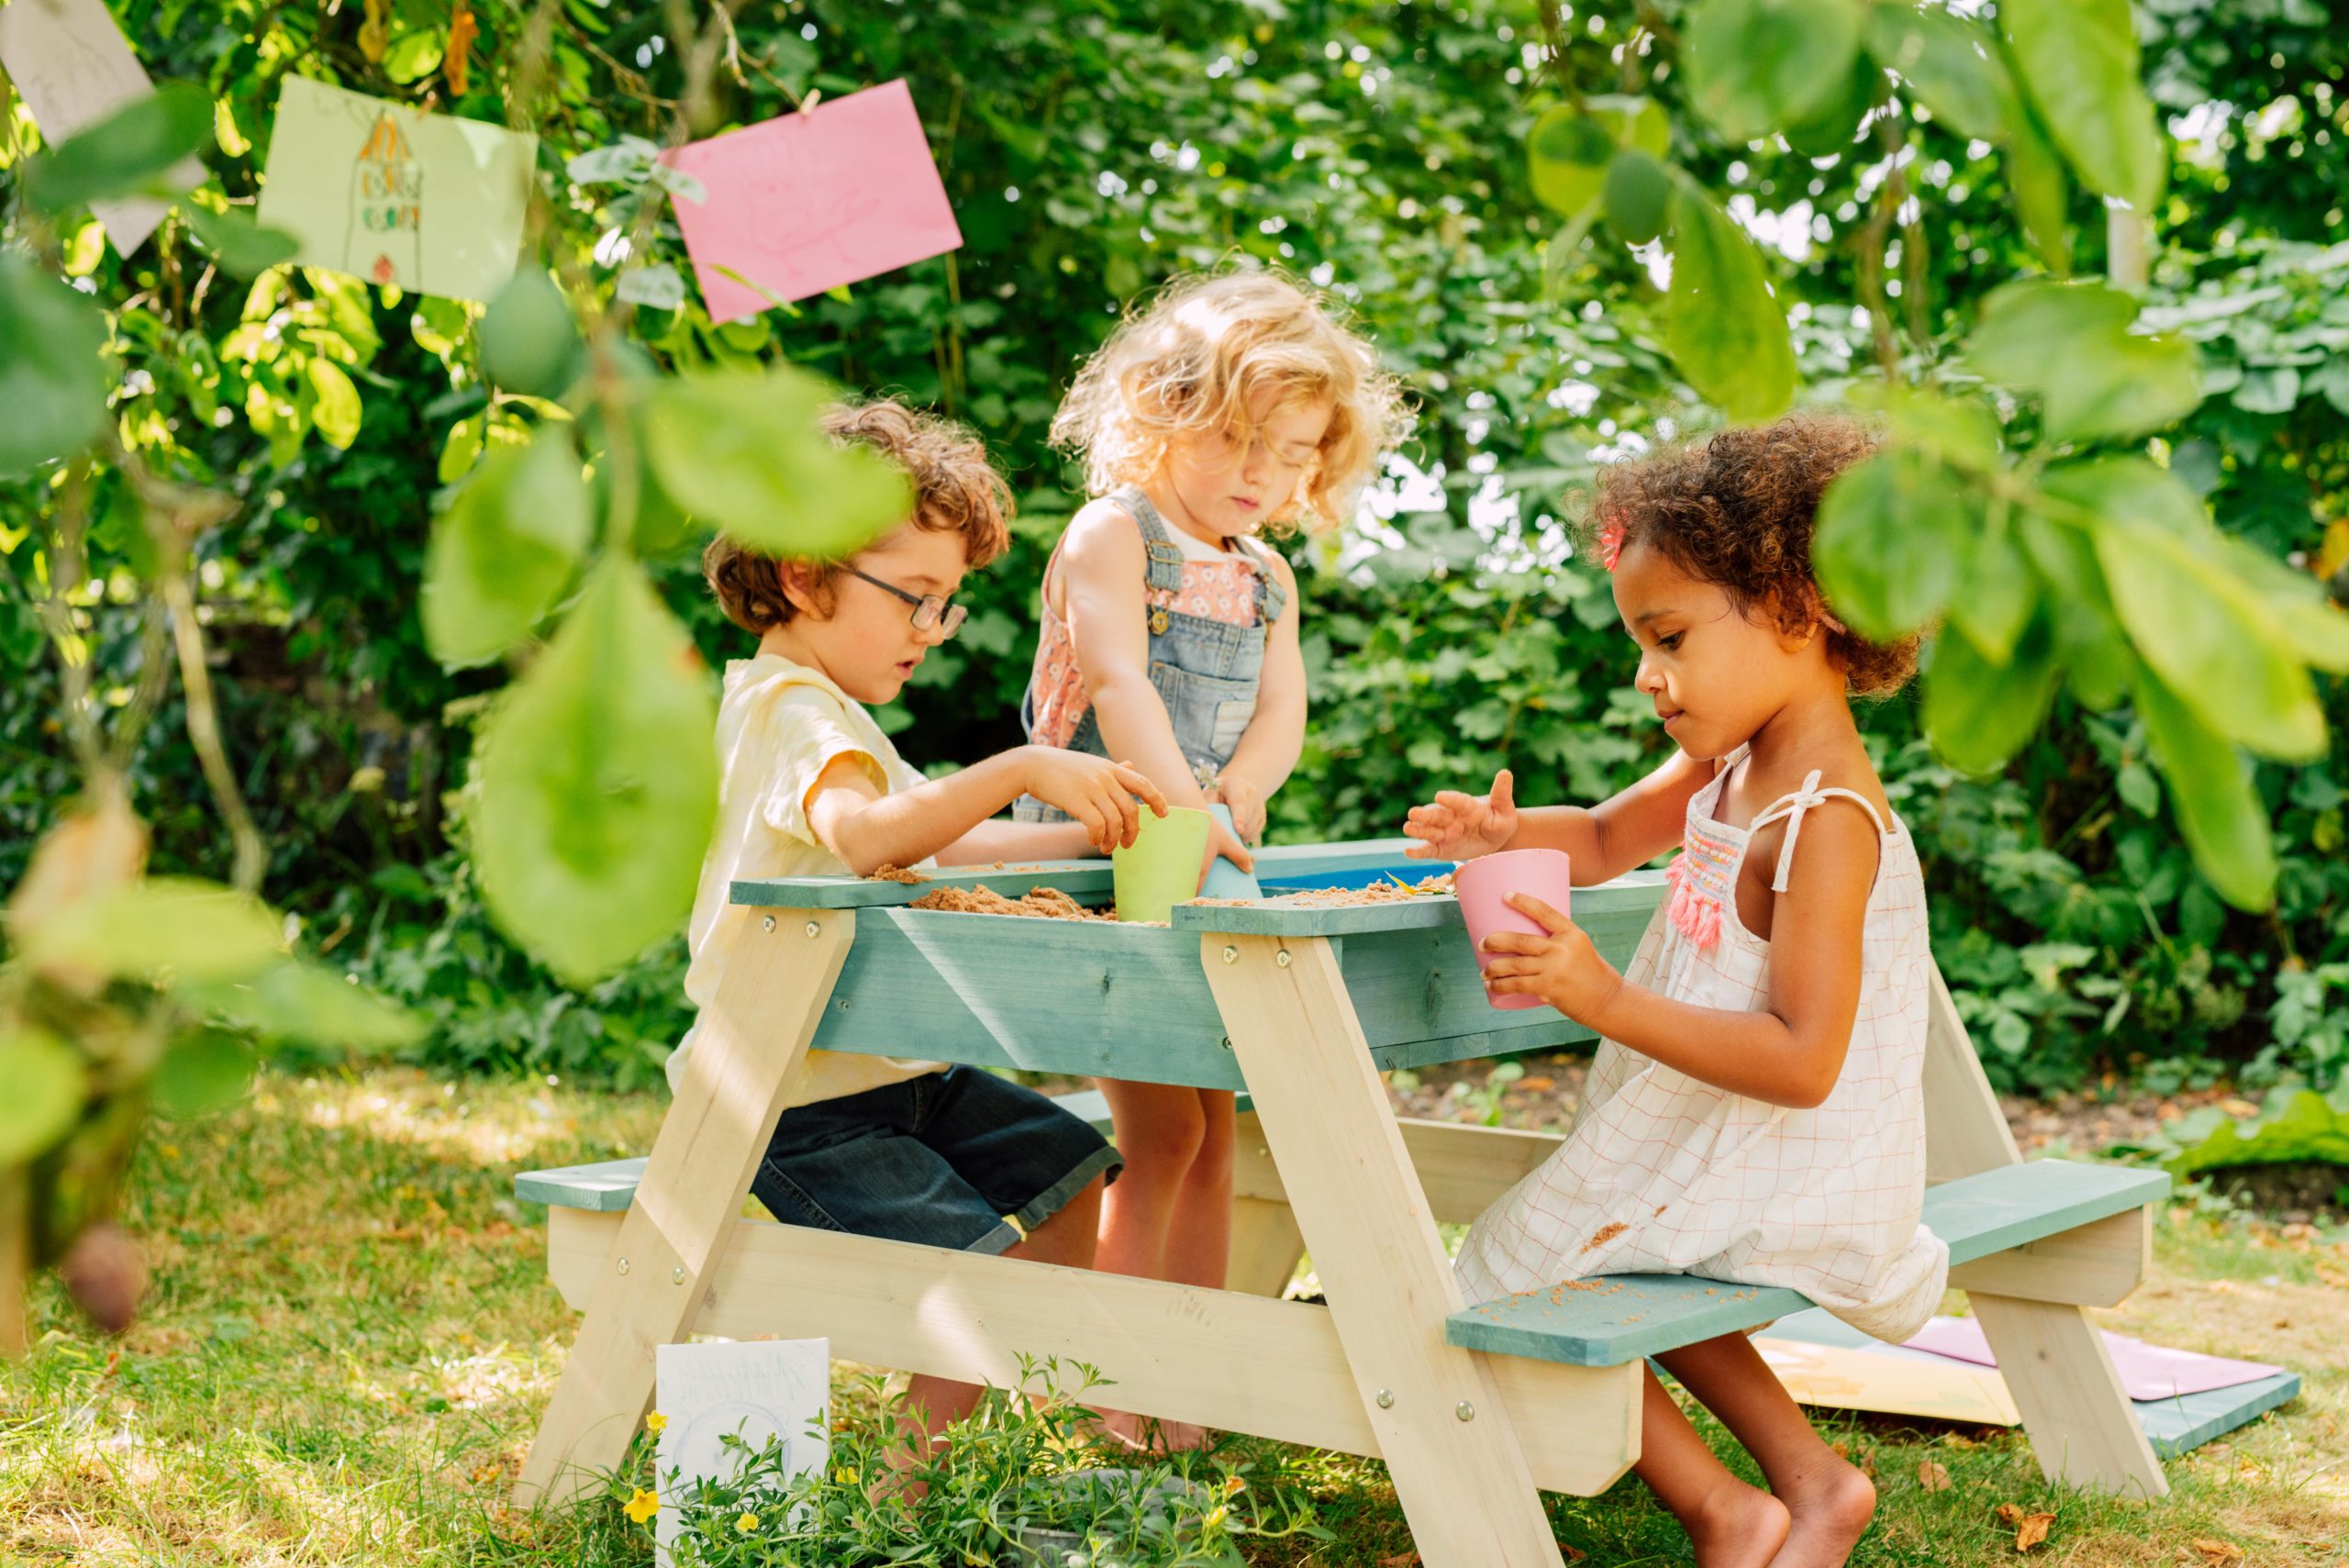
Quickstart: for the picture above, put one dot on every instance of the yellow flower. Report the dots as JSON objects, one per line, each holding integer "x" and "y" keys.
{"x": 747, "y": 1523}
{"x": 844, "y": 1475}
{"x": 656, "y": 1423}
{"x": 643, "y": 1506}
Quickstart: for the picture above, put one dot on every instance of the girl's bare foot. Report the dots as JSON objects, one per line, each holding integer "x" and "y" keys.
{"x": 1831, "y": 1507}
{"x": 1738, "y": 1526}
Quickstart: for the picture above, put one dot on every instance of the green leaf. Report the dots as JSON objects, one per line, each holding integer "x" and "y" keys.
{"x": 1726, "y": 331}
{"x": 413, "y": 56}
{"x": 1568, "y": 151}
{"x": 1756, "y": 66}
{"x": 2078, "y": 61}
{"x": 297, "y": 999}
{"x": 599, "y": 784}
{"x": 1978, "y": 714}
{"x": 1891, "y": 535}
{"x": 47, "y": 1084}
{"x": 2070, "y": 343}
{"x": 337, "y": 414}
{"x": 529, "y": 341}
{"x": 2294, "y": 1125}
{"x": 202, "y": 1071}
{"x": 54, "y": 374}
{"x": 2199, "y": 626}
{"x": 1994, "y": 600}
{"x": 1948, "y": 64}
{"x": 2217, "y": 809}
{"x": 1833, "y": 126}
{"x": 2303, "y": 615}
{"x": 503, "y": 550}
{"x": 194, "y": 930}
{"x": 744, "y": 451}
{"x": 243, "y": 246}
{"x": 130, "y": 151}
{"x": 1638, "y": 195}
{"x": 1957, "y": 431}
{"x": 2035, "y": 176}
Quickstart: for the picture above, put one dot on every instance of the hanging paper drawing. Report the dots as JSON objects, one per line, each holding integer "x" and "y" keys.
{"x": 387, "y": 206}
{"x": 428, "y": 203}
{"x": 71, "y": 67}
{"x": 810, "y": 201}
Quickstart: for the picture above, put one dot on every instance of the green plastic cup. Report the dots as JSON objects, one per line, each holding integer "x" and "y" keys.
{"x": 1161, "y": 869}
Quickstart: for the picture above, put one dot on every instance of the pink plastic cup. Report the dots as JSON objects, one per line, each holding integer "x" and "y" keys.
{"x": 1485, "y": 885}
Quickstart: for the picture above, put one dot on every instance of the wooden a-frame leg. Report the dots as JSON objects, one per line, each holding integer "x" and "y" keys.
{"x": 2083, "y": 1428}
{"x": 1458, "y": 1469}
{"x": 748, "y": 1049}
{"x": 1265, "y": 1241}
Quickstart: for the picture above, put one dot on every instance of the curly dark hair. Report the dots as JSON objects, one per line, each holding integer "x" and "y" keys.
{"x": 1736, "y": 510}
{"x": 956, "y": 490}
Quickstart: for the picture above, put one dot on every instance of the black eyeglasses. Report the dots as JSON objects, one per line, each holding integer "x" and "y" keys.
{"x": 930, "y": 610}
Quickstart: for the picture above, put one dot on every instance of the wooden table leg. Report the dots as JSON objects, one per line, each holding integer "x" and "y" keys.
{"x": 1265, "y": 1241}
{"x": 2083, "y": 1428}
{"x": 1435, "y": 1409}
{"x": 750, "y": 1043}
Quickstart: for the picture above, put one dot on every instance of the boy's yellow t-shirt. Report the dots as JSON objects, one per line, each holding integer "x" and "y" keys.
{"x": 780, "y": 724}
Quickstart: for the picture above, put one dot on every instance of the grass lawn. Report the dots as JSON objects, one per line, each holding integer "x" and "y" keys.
{"x": 350, "y": 1338}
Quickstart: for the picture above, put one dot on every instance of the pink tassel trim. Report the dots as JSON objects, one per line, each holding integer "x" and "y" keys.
{"x": 1696, "y": 912}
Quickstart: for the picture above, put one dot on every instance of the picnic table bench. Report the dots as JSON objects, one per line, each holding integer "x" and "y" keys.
{"x": 1473, "y": 1406}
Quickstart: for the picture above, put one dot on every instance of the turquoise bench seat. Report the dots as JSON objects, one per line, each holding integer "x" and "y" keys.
{"x": 1614, "y": 1318}
{"x": 609, "y": 1186}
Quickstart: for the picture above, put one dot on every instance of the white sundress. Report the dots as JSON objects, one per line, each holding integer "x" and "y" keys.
{"x": 1663, "y": 1174}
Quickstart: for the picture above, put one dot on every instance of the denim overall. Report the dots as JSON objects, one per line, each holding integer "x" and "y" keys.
{"x": 1207, "y": 672}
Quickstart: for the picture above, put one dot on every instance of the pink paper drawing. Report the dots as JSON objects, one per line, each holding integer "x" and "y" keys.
{"x": 809, "y": 202}
{"x": 2147, "y": 1372}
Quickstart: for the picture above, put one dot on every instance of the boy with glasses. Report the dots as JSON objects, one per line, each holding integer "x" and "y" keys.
{"x": 900, "y": 1148}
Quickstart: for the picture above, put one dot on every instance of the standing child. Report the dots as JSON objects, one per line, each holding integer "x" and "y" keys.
{"x": 1755, "y": 1110}
{"x": 1233, "y": 406}
{"x": 898, "y": 1147}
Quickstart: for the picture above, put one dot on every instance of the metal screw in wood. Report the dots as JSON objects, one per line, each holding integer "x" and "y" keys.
{"x": 767, "y": 924}
{"x": 1281, "y": 958}
{"x": 1232, "y": 955}
{"x": 1465, "y": 1411}
{"x": 677, "y": 1276}
{"x": 814, "y": 930}
{"x": 1387, "y": 1399}
{"x": 623, "y": 1266}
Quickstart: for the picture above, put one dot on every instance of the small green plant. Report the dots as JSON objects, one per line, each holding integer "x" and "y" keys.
{"x": 1025, "y": 1481}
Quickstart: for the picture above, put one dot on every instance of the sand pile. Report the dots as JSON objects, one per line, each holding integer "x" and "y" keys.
{"x": 1392, "y": 890}
{"x": 1044, "y": 903}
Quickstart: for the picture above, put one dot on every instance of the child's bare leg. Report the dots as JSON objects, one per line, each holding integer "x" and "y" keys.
{"x": 1160, "y": 1129}
{"x": 1829, "y": 1500}
{"x": 1199, "y": 1236}
{"x": 1198, "y": 1250}
{"x": 1732, "y": 1525}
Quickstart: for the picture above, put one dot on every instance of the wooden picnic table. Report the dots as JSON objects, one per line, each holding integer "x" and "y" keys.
{"x": 1301, "y": 1006}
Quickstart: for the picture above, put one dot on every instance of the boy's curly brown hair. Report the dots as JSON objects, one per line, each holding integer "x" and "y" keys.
{"x": 1736, "y": 510}
{"x": 956, "y": 490}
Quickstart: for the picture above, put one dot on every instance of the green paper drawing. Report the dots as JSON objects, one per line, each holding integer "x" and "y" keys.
{"x": 428, "y": 203}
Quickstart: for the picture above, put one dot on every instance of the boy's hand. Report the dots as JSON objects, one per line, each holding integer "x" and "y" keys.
{"x": 1100, "y": 794}
{"x": 1456, "y": 826}
{"x": 1247, "y": 803}
{"x": 1562, "y": 967}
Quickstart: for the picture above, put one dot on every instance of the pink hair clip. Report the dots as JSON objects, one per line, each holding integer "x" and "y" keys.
{"x": 1610, "y": 543}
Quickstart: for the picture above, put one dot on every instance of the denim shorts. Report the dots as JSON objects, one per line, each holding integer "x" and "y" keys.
{"x": 959, "y": 1158}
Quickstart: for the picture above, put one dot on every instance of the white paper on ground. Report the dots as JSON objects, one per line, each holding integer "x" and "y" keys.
{"x": 2147, "y": 1372}
{"x": 758, "y": 1390}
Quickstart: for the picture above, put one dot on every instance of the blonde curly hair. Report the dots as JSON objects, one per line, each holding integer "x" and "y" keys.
{"x": 1192, "y": 362}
